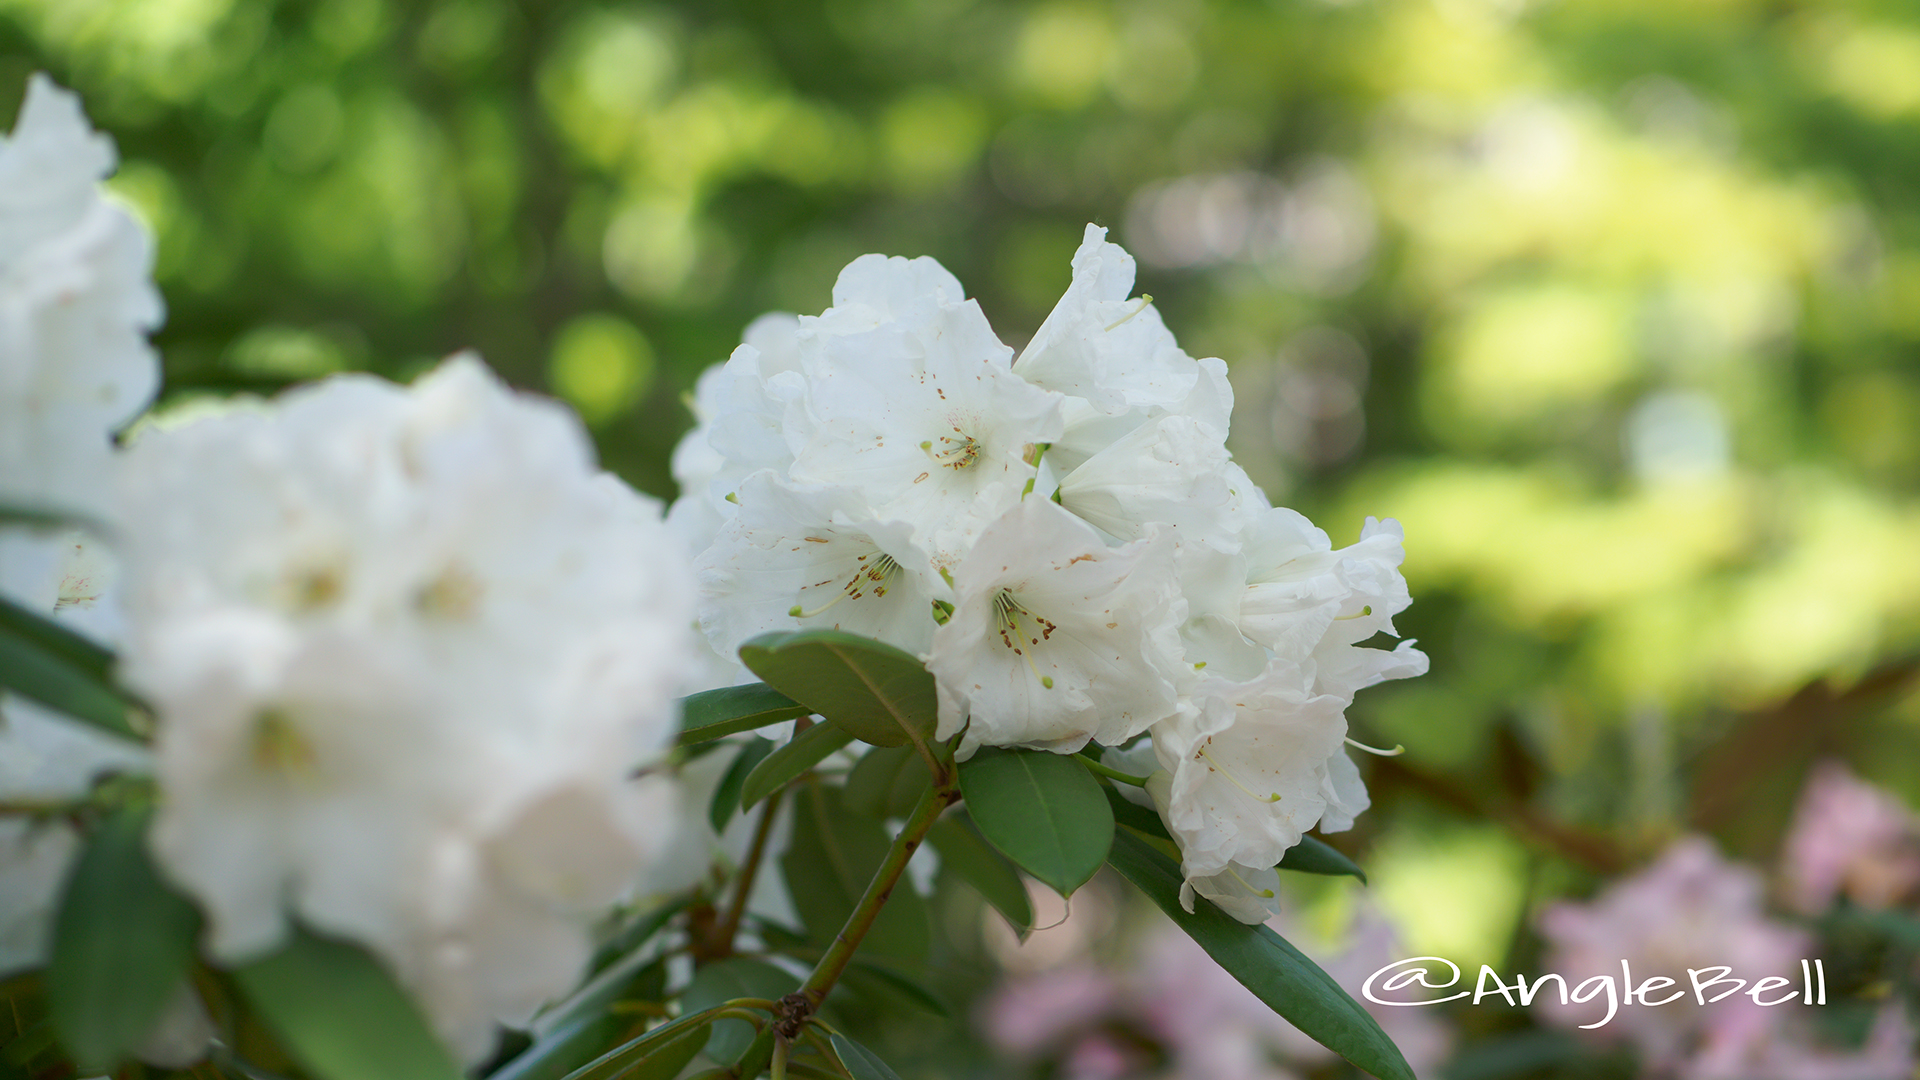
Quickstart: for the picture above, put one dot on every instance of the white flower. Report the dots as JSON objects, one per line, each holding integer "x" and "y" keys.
{"x": 1115, "y": 360}
{"x": 1056, "y": 638}
{"x": 406, "y": 647}
{"x": 1170, "y": 471}
{"x": 1248, "y": 767}
{"x": 76, "y": 303}
{"x": 1304, "y": 600}
{"x": 793, "y": 558}
{"x": 910, "y": 400}
{"x": 1097, "y": 345}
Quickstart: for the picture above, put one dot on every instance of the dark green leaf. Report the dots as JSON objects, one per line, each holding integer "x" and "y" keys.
{"x": 735, "y": 977}
{"x": 866, "y": 973}
{"x": 828, "y": 865}
{"x": 58, "y": 668}
{"x": 40, "y": 517}
{"x": 969, "y": 858}
{"x": 1266, "y": 964}
{"x": 1135, "y": 816}
{"x": 340, "y": 1014}
{"x": 803, "y": 752}
{"x": 881, "y": 694}
{"x": 636, "y": 933}
{"x": 726, "y": 797}
{"x": 122, "y": 945}
{"x": 660, "y": 1054}
{"x": 715, "y": 714}
{"x": 667, "y": 1060}
{"x": 77, "y": 651}
{"x": 1311, "y": 856}
{"x": 563, "y": 1049}
{"x": 886, "y": 782}
{"x": 1044, "y": 811}
{"x": 863, "y": 1063}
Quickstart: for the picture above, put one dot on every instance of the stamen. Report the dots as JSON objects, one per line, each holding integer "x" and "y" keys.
{"x": 1016, "y": 636}
{"x": 876, "y": 575}
{"x": 1361, "y": 614}
{"x": 1264, "y": 894}
{"x": 954, "y": 453}
{"x": 279, "y": 745}
{"x": 1234, "y": 780}
{"x": 1395, "y": 752}
{"x": 1144, "y": 301}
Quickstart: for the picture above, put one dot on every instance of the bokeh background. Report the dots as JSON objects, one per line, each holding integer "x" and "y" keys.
{"x": 1613, "y": 303}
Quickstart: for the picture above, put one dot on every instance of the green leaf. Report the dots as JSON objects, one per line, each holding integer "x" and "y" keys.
{"x": 716, "y": 714}
{"x": 660, "y": 1054}
{"x": 666, "y": 1061}
{"x": 866, "y": 974}
{"x": 636, "y": 933}
{"x": 79, "y": 651}
{"x": 726, "y": 797}
{"x": 563, "y": 1049}
{"x": 1266, "y": 964}
{"x": 886, "y": 782}
{"x": 968, "y": 857}
{"x": 880, "y": 694}
{"x": 37, "y": 517}
{"x": 803, "y": 752}
{"x": 341, "y": 1015}
{"x": 1311, "y": 856}
{"x": 1044, "y": 811}
{"x": 828, "y": 864}
{"x": 42, "y": 660}
{"x": 122, "y": 945}
{"x": 724, "y": 980}
{"x": 863, "y": 1063}
{"x": 1135, "y": 816}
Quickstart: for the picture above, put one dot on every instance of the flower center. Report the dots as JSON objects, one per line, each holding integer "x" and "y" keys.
{"x": 455, "y": 594}
{"x": 875, "y": 574}
{"x": 279, "y": 746}
{"x": 1018, "y": 629}
{"x": 951, "y": 452}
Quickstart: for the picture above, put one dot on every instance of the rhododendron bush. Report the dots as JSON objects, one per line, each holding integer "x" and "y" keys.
{"x": 373, "y": 731}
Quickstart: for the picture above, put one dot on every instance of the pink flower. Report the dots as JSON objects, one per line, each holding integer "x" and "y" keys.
{"x": 1849, "y": 838}
{"x": 1033, "y": 1014}
{"x": 1691, "y": 909}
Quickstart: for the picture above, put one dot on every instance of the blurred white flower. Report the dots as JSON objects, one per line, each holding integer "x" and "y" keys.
{"x": 1056, "y": 638}
{"x": 407, "y": 646}
{"x": 76, "y": 303}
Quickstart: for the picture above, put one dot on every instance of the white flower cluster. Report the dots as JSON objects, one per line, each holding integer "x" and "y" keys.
{"x": 406, "y": 646}
{"x": 1062, "y": 535}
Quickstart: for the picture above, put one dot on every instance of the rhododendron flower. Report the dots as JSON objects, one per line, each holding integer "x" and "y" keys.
{"x": 76, "y": 303}
{"x": 1056, "y": 638}
{"x": 407, "y": 647}
{"x": 1850, "y": 838}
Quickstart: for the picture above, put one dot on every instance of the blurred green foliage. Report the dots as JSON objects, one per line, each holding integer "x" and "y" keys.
{"x": 1611, "y": 302}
